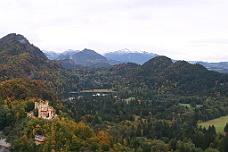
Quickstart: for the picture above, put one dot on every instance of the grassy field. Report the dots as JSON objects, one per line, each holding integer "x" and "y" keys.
{"x": 188, "y": 105}
{"x": 219, "y": 123}
{"x": 185, "y": 105}
{"x": 129, "y": 99}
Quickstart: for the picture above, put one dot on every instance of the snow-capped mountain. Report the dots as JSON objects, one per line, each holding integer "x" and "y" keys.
{"x": 126, "y": 55}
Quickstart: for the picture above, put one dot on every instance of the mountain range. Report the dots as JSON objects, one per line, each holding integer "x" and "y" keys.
{"x": 88, "y": 57}
{"x": 121, "y": 56}
{"x": 126, "y": 55}
{"x": 20, "y": 59}
{"x": 152, "y": 91}
{"x": 70, "y": 58}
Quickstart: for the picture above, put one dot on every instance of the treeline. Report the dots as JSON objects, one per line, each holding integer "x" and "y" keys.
{"x": 159, "y": 124}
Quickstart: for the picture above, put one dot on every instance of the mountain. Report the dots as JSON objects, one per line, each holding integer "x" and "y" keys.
{"x": 72, "y": 59}
{"x": 126, "y": 55}
{"x": 64, "y": 58}
{"x": 67, "y": 54}
{"x": 89, "y": 57}
{"x": 15, "y": 44}
{"x": 182, "y": 77}
{"x": 160, "y": 75}
{"x": 51, "y": 55}
{"x": 221, "y": 67}
{"x": 19, "y": 58}
{"x": 143, "y": 114}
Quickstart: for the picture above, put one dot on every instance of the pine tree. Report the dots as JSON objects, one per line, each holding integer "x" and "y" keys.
{"x": 226, "y": 128}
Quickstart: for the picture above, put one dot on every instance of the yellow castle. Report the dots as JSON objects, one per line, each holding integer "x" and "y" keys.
{"x": 44, "y": 110}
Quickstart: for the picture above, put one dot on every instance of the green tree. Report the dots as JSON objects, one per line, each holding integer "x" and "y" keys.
{"x": 226, "y": 128}
{"x": 211, "y": 150}
{"x": 76, "y": 144}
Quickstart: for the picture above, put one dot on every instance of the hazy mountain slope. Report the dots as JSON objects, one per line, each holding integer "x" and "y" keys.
{"x": 67, "y": 54}
{"x": 51, "y": 55}
{"x": 128, "y": 56}
{"x": 221, "y": 67}
{"x": 89, "y": 57}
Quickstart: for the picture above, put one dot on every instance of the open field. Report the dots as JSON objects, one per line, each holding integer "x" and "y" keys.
{"x": 129, "y": 99}
{"x": 185, "y": 105}
{"x": 219, "y": 123}
{"x": 188, "y": 105}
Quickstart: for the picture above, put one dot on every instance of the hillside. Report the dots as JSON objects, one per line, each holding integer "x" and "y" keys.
{"x": 161, "y": 76}
{"x": 182, "y": 78}
{"x": 20, "y": 59}
{"x": 21, "y": 88}
{"x": 18, "y": 97}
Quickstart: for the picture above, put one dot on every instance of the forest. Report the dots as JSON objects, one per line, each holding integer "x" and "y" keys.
{"x": 157, "y": 106}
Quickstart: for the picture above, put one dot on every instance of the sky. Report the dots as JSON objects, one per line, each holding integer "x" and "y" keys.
{"x": 192, "y": 30}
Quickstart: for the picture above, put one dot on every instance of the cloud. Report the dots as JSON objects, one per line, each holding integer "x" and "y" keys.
{"x": 153, "y": 25}
{"x": 210, "y": 41}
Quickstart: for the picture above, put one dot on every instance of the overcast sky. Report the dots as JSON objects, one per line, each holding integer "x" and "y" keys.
{"x": 179, "y": 29}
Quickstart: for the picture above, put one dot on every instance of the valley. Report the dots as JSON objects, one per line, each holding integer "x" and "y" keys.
{"x": 153, "y": 106}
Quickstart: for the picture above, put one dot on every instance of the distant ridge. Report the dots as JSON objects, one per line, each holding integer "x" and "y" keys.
{"x": 87, "y": 57}
{"x": 52, "y": 55}
{"x": 180, "y": 77}
{"x": 125, "y": 55}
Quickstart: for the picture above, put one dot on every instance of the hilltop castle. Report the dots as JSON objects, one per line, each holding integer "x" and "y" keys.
{"x": 44, "y": 110}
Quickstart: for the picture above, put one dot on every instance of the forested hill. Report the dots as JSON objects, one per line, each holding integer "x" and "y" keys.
{"x": 20, "y": 59}
{"x": 161, "y": 75}
{"x": 14, "y": 44}
{"x": 183, "y": 78}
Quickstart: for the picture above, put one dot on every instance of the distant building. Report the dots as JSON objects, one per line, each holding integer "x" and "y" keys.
{"x": 44, "y": 110}
{"x": 93, "y": 92}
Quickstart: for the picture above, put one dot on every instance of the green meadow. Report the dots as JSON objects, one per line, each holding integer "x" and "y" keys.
{"x": 219, "y": 123}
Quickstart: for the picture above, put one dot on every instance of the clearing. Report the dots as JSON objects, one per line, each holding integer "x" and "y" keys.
{"x": 219, "y": 123}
